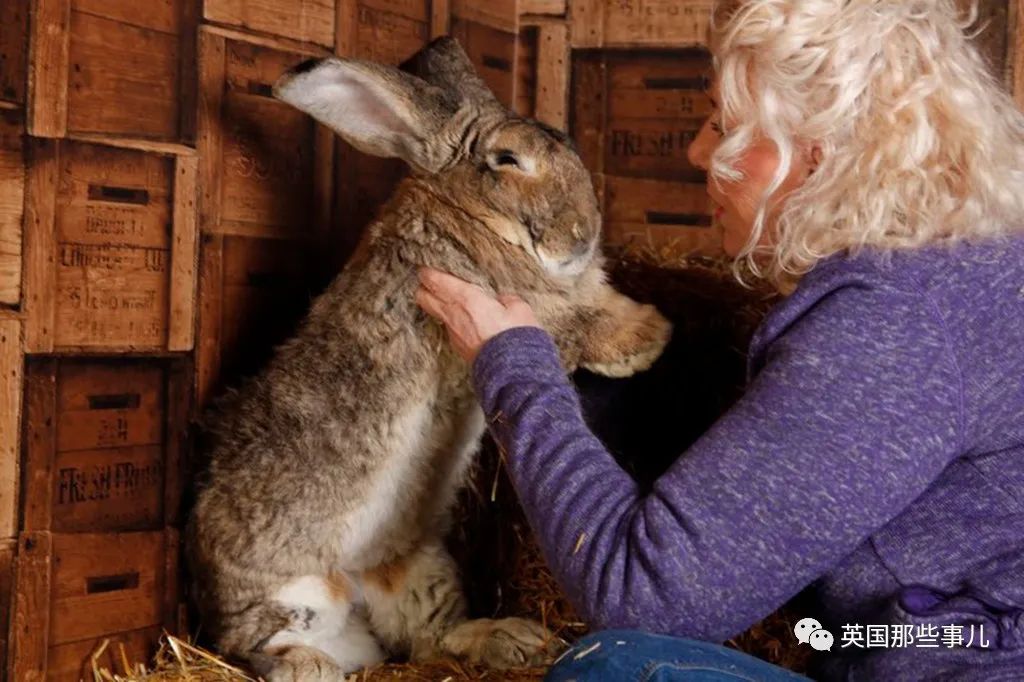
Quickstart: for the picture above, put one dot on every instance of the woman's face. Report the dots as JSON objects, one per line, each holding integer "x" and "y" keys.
{"x": 736, "y": 202}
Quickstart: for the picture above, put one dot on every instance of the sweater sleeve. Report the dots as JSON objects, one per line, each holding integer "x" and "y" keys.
{"x": 854, "y": 413}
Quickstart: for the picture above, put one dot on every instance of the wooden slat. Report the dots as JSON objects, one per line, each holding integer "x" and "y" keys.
{"x": 346, "y": 25}
{"x": 440, "y": 18}
{"x": 12, "y": 205}
{"x": 125, "y": 79}
{"x": 11, "y": 363}
{"x": 586, "y": 23}
{"x": 550, "y": 7}
{"x": 154, "y": 146}
{"x": 302, "y": 20}
{"x": 40, "y": 442}
{"x": 211, "y": 302}
{"x": 8, "y": 552}
{"x": 40, "y": 246}
{"x": 639, "y": 23}
{"x": 179, "y": 411}
{"x": 209, "y": 132}
{"x": 553, "y": 65}
{"x": 273, "y": 42}
{"x": 30, "y": 621}
{"x": 188, "y": 86}
{"x": 13, "y": 50}
{"x": 184, "y": 256}
{"x": 172, "y": 580}
{"x": 49, "y": 59}
{"x": 500, "y": 14}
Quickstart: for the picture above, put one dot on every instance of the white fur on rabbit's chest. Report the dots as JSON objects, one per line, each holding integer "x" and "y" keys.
{"x": 425, "y": 456}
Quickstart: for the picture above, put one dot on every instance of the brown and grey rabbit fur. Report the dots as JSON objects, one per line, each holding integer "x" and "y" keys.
{"x": 316, "y": 538}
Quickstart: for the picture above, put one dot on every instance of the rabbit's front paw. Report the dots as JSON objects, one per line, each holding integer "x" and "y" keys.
{"x": 505, "y": 643}
{"x": 633, "y": 340}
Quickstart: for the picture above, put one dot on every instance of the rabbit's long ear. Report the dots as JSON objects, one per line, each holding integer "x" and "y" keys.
{"x": 377, "y": 109}
{"x": 445, "y": 64}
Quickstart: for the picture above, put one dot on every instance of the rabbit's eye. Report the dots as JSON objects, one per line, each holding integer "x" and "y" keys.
{"x": 503, "y": 158}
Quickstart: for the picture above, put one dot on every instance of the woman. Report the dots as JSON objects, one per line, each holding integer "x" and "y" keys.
{"x": 860, "y": 151}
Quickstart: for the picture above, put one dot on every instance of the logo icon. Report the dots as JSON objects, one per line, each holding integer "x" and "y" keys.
{"x": 809, "y": 631}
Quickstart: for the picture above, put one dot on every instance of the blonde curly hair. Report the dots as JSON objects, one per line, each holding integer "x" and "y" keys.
{"x": 920, "y": 144}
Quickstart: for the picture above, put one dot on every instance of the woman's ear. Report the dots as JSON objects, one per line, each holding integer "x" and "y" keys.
{"x": 814, "y": 159}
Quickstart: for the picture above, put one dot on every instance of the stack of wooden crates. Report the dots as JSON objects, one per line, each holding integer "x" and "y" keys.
{"x": 164, "y": 222}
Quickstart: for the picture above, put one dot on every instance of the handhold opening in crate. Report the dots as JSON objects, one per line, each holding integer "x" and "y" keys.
{"x": 112, "y": 583}
{"x": 121, "y": 195}
{"x": 118, "y": 401}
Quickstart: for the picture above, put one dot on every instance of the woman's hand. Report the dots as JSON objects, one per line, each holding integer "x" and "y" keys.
{"x": 470, "y": 315}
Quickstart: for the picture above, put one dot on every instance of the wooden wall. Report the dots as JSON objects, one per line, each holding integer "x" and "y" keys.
{"x": 164, "y": 222}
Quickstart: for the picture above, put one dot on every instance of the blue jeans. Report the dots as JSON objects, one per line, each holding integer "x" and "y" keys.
{"x": 628, "y": 656}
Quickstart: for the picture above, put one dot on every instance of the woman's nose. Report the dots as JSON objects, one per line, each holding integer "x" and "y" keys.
{"x": 699, "y": 151}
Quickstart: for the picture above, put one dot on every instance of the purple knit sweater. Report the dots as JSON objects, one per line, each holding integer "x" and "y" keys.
{"x": 877, "y": 456}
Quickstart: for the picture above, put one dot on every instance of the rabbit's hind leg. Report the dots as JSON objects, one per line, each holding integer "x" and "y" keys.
{"x": 325, "y": 638}
{"x": 417, "y": 606}
{"x": 414, "y": 600}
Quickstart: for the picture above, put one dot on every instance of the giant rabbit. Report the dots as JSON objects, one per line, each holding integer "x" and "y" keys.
{"x": 316, "y": 537}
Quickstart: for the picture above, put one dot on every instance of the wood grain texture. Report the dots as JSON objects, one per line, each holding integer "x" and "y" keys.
{"x": 639, "y": 23}
{"x": 40, "y": 245}
{"x": 103, "y": 584}
{"x": 553, "y": 71}
{"x": 124, "y": 79}
{"x": 303, "y": 20}
{"x": 113, "y": 209}
{"x": 11, "y": 363}
{"x": 440, "y": 17}
{"x": 13, "y": 49}
{"x": 500, "y": 14}
{"x": 184, "y": 255}
{"x": 40, "y": 442}
{"x": 211, "y": 303}
{"x": 49, "y": 61}
{"x": 30, "y": 620}
{"x": 8, "y": 552}
{"x": 12, "y": 205}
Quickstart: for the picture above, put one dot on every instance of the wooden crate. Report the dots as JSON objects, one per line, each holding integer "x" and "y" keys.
{"x": 13, "y": 51}
{"x": 267, "y": 167}
{"x": 72, "y": 591}
{"x": 12, "y": 200}
{"x": 309, "y": 21}
{"x": 117, "y": 69}
{"x": 103, "y": 444}
{"x": 634, "y": 116}
{"x": 111, "y": 248}
{"x": 253, "y": 292}
{"x": 640, "y": 23}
